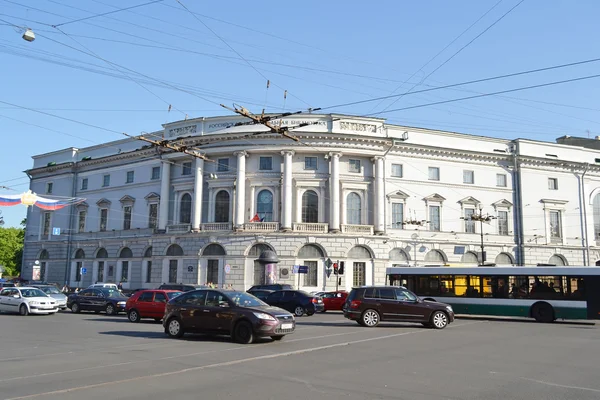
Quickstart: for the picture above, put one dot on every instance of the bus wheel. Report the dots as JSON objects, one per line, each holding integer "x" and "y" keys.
{"x": 542, "y": 312}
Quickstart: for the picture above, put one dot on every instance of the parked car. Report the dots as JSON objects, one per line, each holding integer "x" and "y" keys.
{"x": 180, "y": 287}
{"x": 334, "y": 300}
{"x": 237, "y": 314}
{"x": 149, "y": 304}
{"x": 260, "y": 293}
{"x": 6, "y": 284}
{"x": 274, "y": 286}
{"x": 52, "y": 291}
{"x": 369, "y": 305}
{"x": 297, "y": 301}
{"x": 97, "y": 299}
{"x": 26, "y": 300}
{"x": 104, "y": 285}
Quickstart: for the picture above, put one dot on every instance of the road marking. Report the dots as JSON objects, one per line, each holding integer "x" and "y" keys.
{"x": 229, "y": 363}
{"x": 562, "y": 386}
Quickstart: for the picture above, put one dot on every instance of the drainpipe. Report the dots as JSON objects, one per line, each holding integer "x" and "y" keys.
{"x": 518, "y": 205}
{"x": 584, "y": 237}
{"x": 70, "y": 235}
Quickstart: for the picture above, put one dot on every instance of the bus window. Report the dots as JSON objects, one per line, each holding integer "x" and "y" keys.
{"x": 519, "y": 287}
{"x": 446, "y": 286}
{"x": 547, "y": 288}
{"x": 577, "y": 288}
{"x": 460, "y": 285}
{"x": 486, "y": 286}
{"x": 473, "y": 286}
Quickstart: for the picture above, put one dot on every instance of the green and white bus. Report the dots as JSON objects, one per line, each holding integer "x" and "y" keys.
{"x": 543, "y": 293}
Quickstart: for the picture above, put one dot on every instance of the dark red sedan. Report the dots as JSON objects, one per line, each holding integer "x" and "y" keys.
{"x": 149, "y": 304}
{"x": 334, "y": 301}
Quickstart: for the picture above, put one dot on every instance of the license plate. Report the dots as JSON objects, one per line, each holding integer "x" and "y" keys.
{"x": 287, "y": 326}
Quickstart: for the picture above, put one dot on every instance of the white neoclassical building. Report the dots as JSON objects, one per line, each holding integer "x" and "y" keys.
{"x": 354, "y": 190}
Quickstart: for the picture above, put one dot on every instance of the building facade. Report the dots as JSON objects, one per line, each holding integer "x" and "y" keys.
{"x": 354, "y": 190}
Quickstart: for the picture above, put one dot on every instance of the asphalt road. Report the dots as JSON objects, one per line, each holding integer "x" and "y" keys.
{"x": 90, "y": 356}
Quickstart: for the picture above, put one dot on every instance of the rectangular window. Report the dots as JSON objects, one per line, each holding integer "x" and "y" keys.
{"x": 78, "y": 267}
{"x": 155, "y": 173}
{"x": 469, "y": 223}
{"x": 46, "y": 223}
{"x": 153, "y": 216}
{"x": 553, "y": 183}
{"x": 434, "y": 174}
{"x": 81, "y": 221}
{"x": 49, "y": 187}
{"x": 223, "y": 165}
{"x": 503, "y": 223}
{"x": 310, "y": 279}
{"x": 266, "y": 164}
{"x": 187, "y": 168}
{"x": 124, "y": 271}
{"x": 126, "y": 218}
{"x": 397, "y": 215}
{"x": 501, "y": 180}
{"x": 397, "y": 170}
{"x": 555, "y": 226}
{"x": 103, "y": 219}
{"x": 100, "y": 271}
{"x": 434, "y": 218}
{"x": 106, "y": 180}
{"x": 148, "y": 271}
{"x": 84, "y": 184}
{"x": 468, "y": 177}
{"x": 354, "y": 166}
{"x": 129, "y": 177}
{"x": 212, "y": 271}
{"x": 310, "y": 163}
{"x": 359, "y": 274}
{"x": 172, "y": 271}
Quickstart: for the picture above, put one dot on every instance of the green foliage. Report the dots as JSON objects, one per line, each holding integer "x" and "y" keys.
{"x": 11, "y": 250}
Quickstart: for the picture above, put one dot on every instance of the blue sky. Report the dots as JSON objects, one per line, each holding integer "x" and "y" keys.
{"x": 322, "y": 53}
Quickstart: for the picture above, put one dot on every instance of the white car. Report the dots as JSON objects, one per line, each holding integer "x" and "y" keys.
{"x": 27, "y": 300}
{"x": 103, "y": 285}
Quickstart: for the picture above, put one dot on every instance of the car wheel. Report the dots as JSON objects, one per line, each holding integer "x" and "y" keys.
{"x": 23, "y": 310}
{"x": 542, "y": 312}
{"x": 174, "y": 328}
{"x": 75, "y": 308}
{"x": 299, "y": 311}
{"x": 370, "y": 318}
{"x": 277, "y": 338}
{"x": 439, "y": 320}
{"x": 243, "y": 333}
{"x": 110, "y": 309}
{"x": 134, "y": 316}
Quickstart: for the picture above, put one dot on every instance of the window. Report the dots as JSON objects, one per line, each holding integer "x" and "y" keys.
{"x": 434, "y": 218}
{"x": 155, "y": 173}
{"x": 146, "y": 297}
{"x": 100, "y": 271}
{"x": 264, "y": 206}
{"x": 553, "y": 183}
{"x": 503, "y": 223}
{"x": 78, "y": 266}
{"x": 468, "y": 177}
{"x": 397, "y": 170}
{"x": 501, "y": 180}
{"x": 266, "y": 164}
{"x": 223, "y": 164}
{"x": 127, "y": 218}
{"x": 222, "y": 206}
{"x": 359, "y": 274}
{"x": 310, "y": 163}
{"x": 354, "y": 166}
{"x": 148, "y": 271}
{"x": 353, "y": 209}
{"x": 124, "y": 271}
{"x": 106, "y": 180}
{"x": 46, "y": 223}
{"x": 160, "y": 298}
{"x": 310, "y": 207}
{"x": 153, "y": 216}
{"x": 434, "y": 174}
{"x": 130, "y": 175}
{"x": 469, "y": 223}
{"x": 212, "y": 271}
{"x": 172, "y": 271}
{"x": 187, "y": 168}
{"x": 215, "y": 299}
{"x": 555, "y": 226}
{"x": 49, "y": 187}
{"x": 185, "y": 209}
{"x": 84, "y": 184}
{"x": 397, "y": 215}
{"x": 81, "y": 221}
{"x": 103, "y": 219}
{"x": 310, "y": 278}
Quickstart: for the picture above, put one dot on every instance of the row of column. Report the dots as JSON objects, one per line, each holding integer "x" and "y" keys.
{"x": 287, "y": 201}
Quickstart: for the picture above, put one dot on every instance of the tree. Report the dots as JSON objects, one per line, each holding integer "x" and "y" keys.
{"x": 11, "y": 250}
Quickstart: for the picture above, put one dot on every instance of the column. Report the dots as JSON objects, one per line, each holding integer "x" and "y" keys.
{"x": 334, "y": 215}
{"x": 240, "y": 189}
{"x": 286, "y": 223}
{"x": 165, "y": 186}
{"x": 379, "y": 195}
{"x": 198, "y": 182}
{"x": 253, "y": 202}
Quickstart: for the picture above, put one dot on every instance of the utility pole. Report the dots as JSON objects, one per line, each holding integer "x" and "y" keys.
{"x": 481, "y": 218}
{"x": 192, "y": 151}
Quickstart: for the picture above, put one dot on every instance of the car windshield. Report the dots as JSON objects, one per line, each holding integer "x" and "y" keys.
{"x": 50, "y": 290}
{"x": 172, "y": 295}
{"x": 32, "y": 293}
{"x": 111, "y": 292}
{"x": 244, "y": 299}
{"x": 302, "y": 292}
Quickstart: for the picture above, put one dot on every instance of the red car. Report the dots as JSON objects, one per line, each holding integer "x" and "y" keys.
{"x": 149, "y": 304}
{"x": 334, "y": 300}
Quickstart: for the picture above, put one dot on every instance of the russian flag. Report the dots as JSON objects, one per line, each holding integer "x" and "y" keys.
{"x": 10, "y": 200}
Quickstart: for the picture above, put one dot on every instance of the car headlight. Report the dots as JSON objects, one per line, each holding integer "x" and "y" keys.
{"x": 449, "y": 308}
{"x": 34, "y": 303}
{"x": 264, "y": 316}
{"x": 121, "y": 303}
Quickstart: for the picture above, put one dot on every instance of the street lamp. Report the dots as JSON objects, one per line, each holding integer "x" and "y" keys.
{"x": 29, "y": 35}
{"x": 481, "y": 217}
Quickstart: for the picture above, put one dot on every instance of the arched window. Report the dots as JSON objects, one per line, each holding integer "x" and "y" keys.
{"x": 125, "y": 253}
{"x": 174, "y": 250}
{"x": 257, "y": 250}
{"x": 310, "y": 251}
{"x": 399, "y": 256}
{"x": 213, "y": 250}
{"x": 310, "y": 255}
{"x": 148, "y": 252}
{"x": 469, "y": 258}
{"x": 101, "y": 253}
{"x": 310, "y": 207}
{"x": 79, "y": 254}
{"x": 353, "y": 209}
{"x": 264, "y": 205}
{"x": 558, "y": 260}
{"x": 360, "y": 253}
{"x": 504, "y": 259}
{"x": 436, "y": 256}
{"x": 222, "y": 206}
{"x": 44, "y": 255}
{"x": 596, "y": 210}
{"x": 185, "y": 209}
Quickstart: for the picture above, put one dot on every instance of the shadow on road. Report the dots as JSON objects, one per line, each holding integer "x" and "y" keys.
{"x": 522, "y": 320}
{"x": 117, "y": 319}
{"x": 187, "y": 337}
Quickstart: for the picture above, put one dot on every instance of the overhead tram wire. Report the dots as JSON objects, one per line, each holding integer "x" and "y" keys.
{"x": 107, "y": 13}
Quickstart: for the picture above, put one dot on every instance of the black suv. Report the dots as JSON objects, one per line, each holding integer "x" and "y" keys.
{"x": 181, "y": 287}
{"x": 274, "y": 286}
{"x": 368, "y": 305}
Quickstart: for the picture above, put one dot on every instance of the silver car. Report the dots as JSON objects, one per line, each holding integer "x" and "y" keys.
{"x": 56, "y": 294}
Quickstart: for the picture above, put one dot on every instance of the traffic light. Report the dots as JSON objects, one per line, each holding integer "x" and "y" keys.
{"x": 335, "y": 268}
{"x": 341, "y": 269}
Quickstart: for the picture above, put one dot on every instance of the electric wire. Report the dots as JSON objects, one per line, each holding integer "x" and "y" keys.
{"x": 107, "y": 13}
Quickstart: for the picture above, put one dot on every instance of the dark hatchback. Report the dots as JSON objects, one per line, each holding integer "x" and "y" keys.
{"x": 298, "y": 302}
{"x": 98, "y": 299}
{"x": 371, "y": 304}
{"x": 226, "y": 312}
{"x": 181, "y": 287}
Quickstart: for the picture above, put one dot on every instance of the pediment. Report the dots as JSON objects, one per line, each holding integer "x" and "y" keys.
{"x": 435, "y": 197}
{"x": 469, "y": 200}
{"x": 82, "y": 206}
{"x": 399, "y": 194}
{"x": 502, "y": 203}
{"x": 554, "y": 202}
{"x": 104, "y": 203}
{"x": 152, "y": 196}
{"x": 127, "y": 199}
